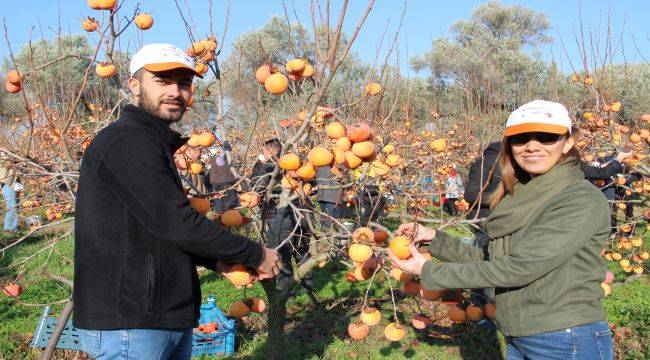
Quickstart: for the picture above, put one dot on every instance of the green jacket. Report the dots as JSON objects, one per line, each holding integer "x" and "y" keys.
{"x": 547, "y": 273}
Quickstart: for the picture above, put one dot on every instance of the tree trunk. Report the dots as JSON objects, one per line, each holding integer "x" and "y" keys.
{"x": 277, "y": 317}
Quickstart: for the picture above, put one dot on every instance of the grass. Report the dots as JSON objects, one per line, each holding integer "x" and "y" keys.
{"x": 314, "y": 331}
{"x": 629, "y": 308}
{"x": 320, "y": 331}
{"x": 19, "y": 319}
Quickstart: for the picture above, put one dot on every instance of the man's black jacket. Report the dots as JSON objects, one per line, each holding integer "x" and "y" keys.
{"x": 137, "y": 239}
{"x": 479, "y": 176}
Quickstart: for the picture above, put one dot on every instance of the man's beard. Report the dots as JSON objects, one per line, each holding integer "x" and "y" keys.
{"x": 153, "y": 107}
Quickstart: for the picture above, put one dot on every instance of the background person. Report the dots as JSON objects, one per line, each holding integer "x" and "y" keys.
{"x": 9, "y": 195}
{"x": 548, "y": 226}
{"x": 329, "y": 195}
{"x": 282, "y": 223}
{"x": 602, "y": 174}
{"x": 597, "y": 171}
{"x": 483, "y": 180}
{"x": 453, "y": 191}
{"x": 222, "y": 180}
{"x": 137, "y": 239}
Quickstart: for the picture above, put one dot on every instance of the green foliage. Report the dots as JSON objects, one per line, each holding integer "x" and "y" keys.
{"x": 271, "y": 43}
{"x": 486, "y": 55}
{"x": 491, "y": 64}
{"x": 55, "y": 71}
{"x": 68, "y": 57}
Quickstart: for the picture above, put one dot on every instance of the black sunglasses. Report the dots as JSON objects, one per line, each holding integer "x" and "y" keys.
{"x": 542, "y": 137}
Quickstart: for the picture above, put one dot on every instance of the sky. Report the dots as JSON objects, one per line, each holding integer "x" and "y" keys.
{"x": 423, "y": 22}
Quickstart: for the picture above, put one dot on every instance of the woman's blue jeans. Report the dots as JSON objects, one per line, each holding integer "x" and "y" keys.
{"x": 589, "y": 342}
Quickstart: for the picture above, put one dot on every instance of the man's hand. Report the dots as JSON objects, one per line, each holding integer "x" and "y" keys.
{"x": 417, "y": 232}
{"x": 271, "y": 265}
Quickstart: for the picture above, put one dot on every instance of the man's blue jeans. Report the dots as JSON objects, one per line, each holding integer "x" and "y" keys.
{"x": 137, "y": 344}
{"x": 589, "y": 342}
{"x": 11, "y": 204}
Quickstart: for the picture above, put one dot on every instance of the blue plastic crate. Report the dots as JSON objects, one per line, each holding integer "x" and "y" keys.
{"x": 69, "y": 338}
{"x": 221, "y": 342}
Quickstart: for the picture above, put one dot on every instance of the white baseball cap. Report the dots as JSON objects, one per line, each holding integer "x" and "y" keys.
{"x": 161, "y": 57}
{"x": 539, "y": 115}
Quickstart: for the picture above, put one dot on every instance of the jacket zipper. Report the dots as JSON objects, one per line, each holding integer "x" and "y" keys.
{"x": 150, "y": 284}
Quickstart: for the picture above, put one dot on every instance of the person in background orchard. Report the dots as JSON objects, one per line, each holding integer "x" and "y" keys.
{"x": 547, "y": 227}
{"x": 623, "y": 196}
{"x": 371, "y": 198}
{"x": 483, "y": 180}
{"x": 193, "y": 184}
{"x": 283, "y": 224}
{"x": 138, "y": 241}
{"x": 603, "y": 174}
{"x": 329, "y": 195}
{"x": 222, "y": 181}
{"x": 453, "y": 191}
{"x": 9, "y": 195}
{"x": 613, "y": 165}
{"x": 427, "y": 187}
{"x": 261, "y": 174}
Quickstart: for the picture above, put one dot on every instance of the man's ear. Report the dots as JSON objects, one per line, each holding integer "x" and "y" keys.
{"x": 134, "y": 86}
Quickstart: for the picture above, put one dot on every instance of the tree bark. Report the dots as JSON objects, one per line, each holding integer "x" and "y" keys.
{"x": 277, "y": 317}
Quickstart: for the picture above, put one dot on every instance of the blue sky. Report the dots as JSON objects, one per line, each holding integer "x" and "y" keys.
{"x": 424, "y": 21}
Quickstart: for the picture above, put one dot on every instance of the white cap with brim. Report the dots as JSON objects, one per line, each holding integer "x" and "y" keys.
{"x": 161, "y": 57}
{"x": 539, "y": 116}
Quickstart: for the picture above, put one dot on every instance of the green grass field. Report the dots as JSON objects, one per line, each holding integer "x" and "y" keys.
{"x": 313, "y": 331}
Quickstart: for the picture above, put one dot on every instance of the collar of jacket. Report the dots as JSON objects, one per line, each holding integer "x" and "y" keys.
{"x": 171, "y": 137}
{"x": 515, "y": 210}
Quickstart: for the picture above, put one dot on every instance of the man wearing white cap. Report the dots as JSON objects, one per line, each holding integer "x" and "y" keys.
{"x": 137, "y": 239}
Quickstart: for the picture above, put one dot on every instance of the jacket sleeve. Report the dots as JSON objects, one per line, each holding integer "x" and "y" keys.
{"x": 136, "y": 169}
{"x": 564, "y": 228}
{"x": 601, "y": 173}
{"x": 449, "y": 248}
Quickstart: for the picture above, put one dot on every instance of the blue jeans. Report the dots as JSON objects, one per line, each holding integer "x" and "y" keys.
{"x": 137, "y": 344}
{"x": 585, "y": 342}
{"x": 11, "y": 203}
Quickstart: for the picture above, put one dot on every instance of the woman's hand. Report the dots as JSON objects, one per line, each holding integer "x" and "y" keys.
{"x": 419, "y": 233}
{"x": 412, "y": 265}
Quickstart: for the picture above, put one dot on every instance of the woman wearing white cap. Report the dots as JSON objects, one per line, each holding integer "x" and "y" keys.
{"x": 547, "y": 228}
